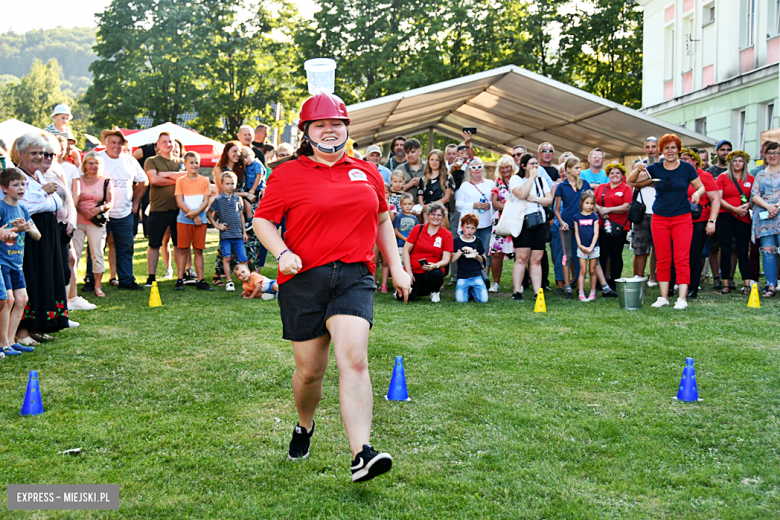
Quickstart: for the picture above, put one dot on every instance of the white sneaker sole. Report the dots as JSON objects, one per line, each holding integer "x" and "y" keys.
{"x": 290, "y": 457}
{"x": 376, "y": 466}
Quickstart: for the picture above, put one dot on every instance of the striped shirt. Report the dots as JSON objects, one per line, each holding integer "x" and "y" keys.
{"x": 228, "y": 211}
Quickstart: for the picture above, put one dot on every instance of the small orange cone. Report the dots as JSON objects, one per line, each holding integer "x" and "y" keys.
{"x": 754, "y": 302}
{"x": 540, "y": 305}
{"x": 154, "y": 298}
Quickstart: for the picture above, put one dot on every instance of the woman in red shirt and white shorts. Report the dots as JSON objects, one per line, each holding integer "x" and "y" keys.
{"x": 326, "y": 283}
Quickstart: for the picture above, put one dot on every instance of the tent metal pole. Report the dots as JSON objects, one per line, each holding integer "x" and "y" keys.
{"x": 430, "y": 140}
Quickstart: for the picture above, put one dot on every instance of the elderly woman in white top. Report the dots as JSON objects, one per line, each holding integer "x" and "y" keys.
{"x": 47, "y": 307}
{"x": 528, "y": 186}
{"x": 475, "y": 196}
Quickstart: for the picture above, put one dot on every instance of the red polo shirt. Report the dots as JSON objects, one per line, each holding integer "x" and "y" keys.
{"x": 427, "y": 246}
{"x": 332, "y": 211}
{"x": 709, "y": 185}
{"x": 622, "y": 194}
{"x": 731, "y": 195}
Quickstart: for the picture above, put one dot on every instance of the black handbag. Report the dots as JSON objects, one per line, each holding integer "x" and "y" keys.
{"x": 549, "y": 213}
{"x": 636, "y": 210}
{"x": 614, "y": 229}
{"x": 696, "y": 210}
{"x": 100, "y": 219}
{"x": 535, "y": 219}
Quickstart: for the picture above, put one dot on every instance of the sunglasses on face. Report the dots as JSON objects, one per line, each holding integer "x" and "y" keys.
{"x": 546, "y": 151}
{"x": 517, "y": 155}
{"x": 476, "y": 167}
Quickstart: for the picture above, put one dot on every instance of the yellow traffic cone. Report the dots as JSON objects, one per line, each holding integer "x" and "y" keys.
{"x": 754, "y": 302}
{"x": 154, "y": 298}
{"x": 540, "y": 305}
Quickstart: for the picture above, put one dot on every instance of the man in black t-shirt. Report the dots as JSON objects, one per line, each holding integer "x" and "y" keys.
{"x": 261, "y": 134}
{"x": 721, "y": 150}
{"x": 141, "y": 154}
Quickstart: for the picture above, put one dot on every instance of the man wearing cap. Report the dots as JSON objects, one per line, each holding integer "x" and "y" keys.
{"x": 722, "y": 149}
{"x": 374, "y": 155}
{"x": 130, "y": 184}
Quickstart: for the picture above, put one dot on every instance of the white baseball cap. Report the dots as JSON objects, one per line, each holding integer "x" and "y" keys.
{"x": 373, "y": 148}
{"x": 62, "y": 108}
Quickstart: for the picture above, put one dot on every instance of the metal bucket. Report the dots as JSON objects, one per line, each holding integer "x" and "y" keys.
{"x": 631, "y": 292}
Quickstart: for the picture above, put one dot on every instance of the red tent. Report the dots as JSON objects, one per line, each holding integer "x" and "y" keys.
{"x": 209, "y": 149}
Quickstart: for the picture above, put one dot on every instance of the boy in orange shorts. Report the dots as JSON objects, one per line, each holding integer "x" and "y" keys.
{"x": 255, "y": 284}
{"x": 193, "y": 195}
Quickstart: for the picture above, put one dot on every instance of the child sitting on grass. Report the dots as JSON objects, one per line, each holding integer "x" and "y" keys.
{"x": 228, "y": 208}
{"x": 470, "y": 255}
{"x": 255, "y": 284}
{"x": 586, "y": 230}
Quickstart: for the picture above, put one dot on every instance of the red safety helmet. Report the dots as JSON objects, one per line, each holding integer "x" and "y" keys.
{"x": 322, "y": 106}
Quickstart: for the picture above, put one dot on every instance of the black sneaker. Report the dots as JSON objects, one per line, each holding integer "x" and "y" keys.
{"x": 518, "y": 297}
{"x": 558, "y": 292}
{"x": 692, "y": 295}
{"x": 132, "y": 286}
{"x": 89, "y": 285}
{"x": 569, "y": 295}
{"x": 369, "y": 464}
{"x": 179, "y": 285}
{"x": 301, "y": 440}
{"x": 609, "y": 294}
{"x": 149, "y": 280}
{"x": 717, "y": 284}
{"x": 547, "y": 287}
{"x": 190, "y": 278}
{"x": 203, "y": 285}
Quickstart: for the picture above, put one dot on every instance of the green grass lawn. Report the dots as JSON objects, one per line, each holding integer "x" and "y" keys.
{"x": 567, "y": 414}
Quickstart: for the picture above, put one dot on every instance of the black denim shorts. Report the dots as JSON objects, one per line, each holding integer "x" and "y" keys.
{"x": 308, "y": 299}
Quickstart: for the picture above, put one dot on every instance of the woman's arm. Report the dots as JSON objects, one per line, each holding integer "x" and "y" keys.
{"x": 446, "y": 198}
{"x": 407, "y": 259}
{"x": 289, "y": 262}
{"x": 385, "y": 239}
{"x": 523, "y": 191}
{"x": 577, "y": 234}
{"x": 636, "y": 173}
{"x": 595, "y": 236}
{"x": 497, "y": 205}
{"x": 558, "y": 207}
{"x": 725, "y": 205}
{"x": 445, "y": 259}
{"x": 714, "y": 197}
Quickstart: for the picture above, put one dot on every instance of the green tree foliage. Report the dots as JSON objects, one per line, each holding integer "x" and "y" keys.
{"x": 225, "y": 62}
{"x": 35, "y": 95}
{"x": 603, "y": 50}
{"x": 72, "y": 48}
{"x": 249, "y": 68}
{"x": 387, "y": 47}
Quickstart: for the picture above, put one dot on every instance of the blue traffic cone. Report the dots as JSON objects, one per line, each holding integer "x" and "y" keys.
{"x": 397, "y": 390}
{"x": 688, "y": 391}
{"x": 33, "y": 405}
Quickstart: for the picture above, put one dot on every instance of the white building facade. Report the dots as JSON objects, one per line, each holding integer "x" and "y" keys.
{"x": 712, "y": 66}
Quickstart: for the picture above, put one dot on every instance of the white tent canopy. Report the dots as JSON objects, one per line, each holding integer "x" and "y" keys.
{"x": 12, "y": 129}
{"x": 510, "y": 106}
{"x": 188, "y": 137}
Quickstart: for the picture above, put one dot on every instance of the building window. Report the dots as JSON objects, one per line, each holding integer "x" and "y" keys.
{"x": 700, "y": 126}
{"x": 669, "y": 54}
{"x": 769, "y": 120}
{"x": 739, "y": 142}
{"x": 708, "y": 14}
{"x": 747, "y": 18}
{"x": 773, "y": 19}
{"x": 690, "y": 40}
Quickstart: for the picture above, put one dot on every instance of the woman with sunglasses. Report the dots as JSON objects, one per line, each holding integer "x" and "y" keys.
{"x": 475, "y": 196}
{"x": 43, "y": 265}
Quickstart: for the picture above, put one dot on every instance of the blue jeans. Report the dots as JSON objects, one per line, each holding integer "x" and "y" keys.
{"x": 770, "y": 258}
{"x": 123, "y": 232}
{"x": 557, "y": 250}
{"x": 474, "y": 285}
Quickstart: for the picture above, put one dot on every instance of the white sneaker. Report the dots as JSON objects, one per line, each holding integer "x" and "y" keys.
{"x": 434, "y": 297}
{"x": 73, "y": 324}
{"x": 660, "y": 302}
{"x": 80, "y": 304}
{"x": 652, "y": 284}
{"x": 494, "y": 287}
{"x": 230, "y": 287}
{"x": 168, "y": 274}
{"x": 267, "y": 296}
{"x": 680, "y": 304}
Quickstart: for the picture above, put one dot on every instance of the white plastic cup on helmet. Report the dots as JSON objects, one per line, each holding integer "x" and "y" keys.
{"x": 321, "y": 75}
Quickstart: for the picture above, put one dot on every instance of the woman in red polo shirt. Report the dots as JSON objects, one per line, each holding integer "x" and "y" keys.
{"x": 427, "y": 251}
{"x": 326, "y": 282}
{"x": 612, "y": 201}
{"x": 734, "y": 219}
{"x": 704, "y": 226}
